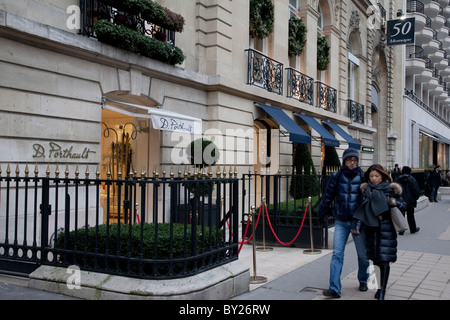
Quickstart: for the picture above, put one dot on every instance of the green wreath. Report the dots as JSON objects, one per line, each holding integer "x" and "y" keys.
{"x": 261, "y": 18}
{"x": 323, "y": 53}
{"x": 297, "y": 36}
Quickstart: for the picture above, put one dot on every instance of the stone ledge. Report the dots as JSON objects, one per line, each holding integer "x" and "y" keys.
{"x": 223, "y": 282}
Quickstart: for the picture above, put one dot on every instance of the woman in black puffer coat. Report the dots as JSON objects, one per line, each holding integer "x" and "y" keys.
{"x": 379, "y": 194}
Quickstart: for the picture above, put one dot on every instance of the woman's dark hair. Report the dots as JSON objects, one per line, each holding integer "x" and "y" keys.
{"x": 380, "y": 169}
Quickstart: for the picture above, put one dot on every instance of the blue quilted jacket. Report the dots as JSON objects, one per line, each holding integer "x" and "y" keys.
{"x": 348, "y": 195}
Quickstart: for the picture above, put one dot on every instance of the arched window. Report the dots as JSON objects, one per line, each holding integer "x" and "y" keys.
{"x": 353, "y": 65}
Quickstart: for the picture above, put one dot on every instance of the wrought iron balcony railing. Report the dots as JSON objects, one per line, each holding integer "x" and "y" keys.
{"x": 300, "y": 86}
{"x": 355, "y": 111}
{"x": 95, "y": 10}
{"x": 414, "y": 6}
{"x": 264, "y": 72}
{"x": 326, "y": 97}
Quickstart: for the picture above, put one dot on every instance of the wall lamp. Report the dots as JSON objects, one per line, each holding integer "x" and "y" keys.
{"x": 400, "y": 14}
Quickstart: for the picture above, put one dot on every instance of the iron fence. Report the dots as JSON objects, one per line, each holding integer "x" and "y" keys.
{"x": 264, "y": 72}
{"x": 145, "y": 227}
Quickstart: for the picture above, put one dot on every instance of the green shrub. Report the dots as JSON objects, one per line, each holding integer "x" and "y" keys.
{"x": 97, "y": 241}
{"x": 133, "y": 41}
{"x": 151, "y": 12}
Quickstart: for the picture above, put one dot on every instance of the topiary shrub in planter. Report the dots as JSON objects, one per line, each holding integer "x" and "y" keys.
{"x": 306, "y": 185}
{"x": 127, "y": 39}
{"x": 201, "y": 153}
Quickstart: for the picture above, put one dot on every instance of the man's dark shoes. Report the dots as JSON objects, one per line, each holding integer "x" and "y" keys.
{"x": 362, "y": 286}
{"x": 417, "y": 230}
{"x": 331, "y": 293}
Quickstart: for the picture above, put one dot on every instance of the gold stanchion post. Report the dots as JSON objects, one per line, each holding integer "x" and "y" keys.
{"x": 264, "y": 248}
{"x": 255, "y": 279}
{"x": 312, "y": 250}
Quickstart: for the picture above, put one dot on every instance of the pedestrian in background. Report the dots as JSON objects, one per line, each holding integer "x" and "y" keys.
{"x": 411, "y": 193}
{"x": 434, "y": 181}
{"x": 343, "y": 188}
{"x": 395, "y": 172}
{"x": 379, "y": 194}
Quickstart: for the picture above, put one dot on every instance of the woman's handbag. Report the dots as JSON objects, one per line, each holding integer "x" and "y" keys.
{"x": 399, "y": 220}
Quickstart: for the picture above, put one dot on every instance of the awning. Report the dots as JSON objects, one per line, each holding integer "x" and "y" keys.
{"x": 352, "y": 143}
{"x": 296, "y": 134}
{"x": 328, "y": 138}
{"x": 433, "y": 135}
{"x": 161, "y": 119}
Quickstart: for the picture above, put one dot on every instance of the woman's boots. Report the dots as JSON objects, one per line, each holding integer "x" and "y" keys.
{"x": 384, "y": 277}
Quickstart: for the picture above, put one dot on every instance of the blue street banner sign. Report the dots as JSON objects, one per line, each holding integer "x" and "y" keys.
{"x": 400, "y": 31}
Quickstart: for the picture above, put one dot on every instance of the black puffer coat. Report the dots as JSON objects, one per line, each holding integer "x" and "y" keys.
{"x": 381, "y": 241}
{"x": 344, "y": 185}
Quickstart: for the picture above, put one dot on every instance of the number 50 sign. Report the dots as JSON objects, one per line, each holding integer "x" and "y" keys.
{"x": 400, "y": 31}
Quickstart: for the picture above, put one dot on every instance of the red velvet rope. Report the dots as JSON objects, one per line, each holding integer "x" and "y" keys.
{"x": 246, "y": 229}
{"x": 301, "y": 226}
{"x": 271, "y": 228}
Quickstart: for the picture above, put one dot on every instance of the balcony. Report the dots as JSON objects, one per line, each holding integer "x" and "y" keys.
{"x": 326, "y": 97}
{"x": 432, "y": 9}
{"x": 300, "y": 86}
{"x": 446, "y": 12}
{"x": 412, "y": 95}
{"x": 93, "y": 11}
{"x": 264, "y": 72}
{"x": 415, "y": 9}
{"x": 415, "y": 63}
{"x": 432, "y": 83}
{"x": 355, "y": 111}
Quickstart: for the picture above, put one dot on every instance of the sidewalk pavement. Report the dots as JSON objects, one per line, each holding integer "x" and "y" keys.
{"x": 419, "y": 274}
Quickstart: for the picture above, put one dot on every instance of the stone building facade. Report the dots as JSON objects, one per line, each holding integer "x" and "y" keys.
{"x": 63, "y": 92}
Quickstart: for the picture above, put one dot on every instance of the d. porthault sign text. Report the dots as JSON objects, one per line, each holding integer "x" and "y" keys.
{"x": 57, "y": 152}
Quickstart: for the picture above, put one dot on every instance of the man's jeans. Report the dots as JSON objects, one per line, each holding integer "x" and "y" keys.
{"x": 341, "y": 232}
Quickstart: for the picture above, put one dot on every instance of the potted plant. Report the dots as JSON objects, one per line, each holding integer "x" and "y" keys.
{"x": 201, "y": 153}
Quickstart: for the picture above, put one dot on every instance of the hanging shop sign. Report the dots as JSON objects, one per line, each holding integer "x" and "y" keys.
{"x": 368, "y": 149}
{"x": 400, "y": 31}
{"x": 172, "y": 124}
{"x": 55, "y": 151}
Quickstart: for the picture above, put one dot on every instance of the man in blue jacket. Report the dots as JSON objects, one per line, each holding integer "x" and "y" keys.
{"x": 343, "y": 188}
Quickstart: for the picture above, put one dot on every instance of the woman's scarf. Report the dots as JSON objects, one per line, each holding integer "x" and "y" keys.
{"x": 374, "y": 203}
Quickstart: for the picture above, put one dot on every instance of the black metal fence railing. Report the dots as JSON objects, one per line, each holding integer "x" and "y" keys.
{"x": 326, "y": 97}
{"x": 300, "y": 86}
{"x": 356, "y": 111}
{"x": 150, "y": 228}
{"x": 264, "y": 72}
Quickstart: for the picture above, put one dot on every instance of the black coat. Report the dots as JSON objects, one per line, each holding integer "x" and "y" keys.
{"x": 345, "y": 188}
{"x": 411, "y": 189}
{"x": 381, "y": 241}
{"x": 434, "y": 179}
